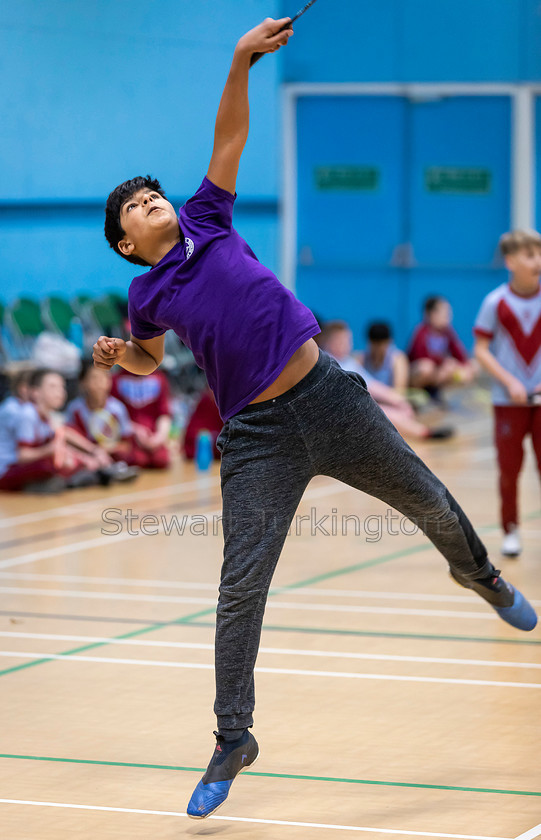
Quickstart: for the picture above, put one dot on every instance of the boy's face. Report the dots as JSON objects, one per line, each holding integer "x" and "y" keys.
{"x": 339, "y": 343}
{"x": 525, "y": 265}
{"x": 147, "y": 219}
{"x": 379, "y": 348}
{"x": 97, "y": 386}
{"x": 441, "y": 315}
{"x": 51, "y": 394}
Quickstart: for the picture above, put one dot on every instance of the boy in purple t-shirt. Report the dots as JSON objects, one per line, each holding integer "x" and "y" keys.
{"x": 291, "y": 412}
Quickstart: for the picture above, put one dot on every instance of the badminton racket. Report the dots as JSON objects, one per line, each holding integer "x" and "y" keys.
{"x": 257, "y": 56}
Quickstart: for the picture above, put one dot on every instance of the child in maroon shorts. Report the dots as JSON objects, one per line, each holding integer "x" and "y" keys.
{"x": 437, "y": 356}
{"x": 34, "y": 454}
{"x": 508, "y": 345}
{"x": 102, "y": 419}
{"x": 147, "y": 401}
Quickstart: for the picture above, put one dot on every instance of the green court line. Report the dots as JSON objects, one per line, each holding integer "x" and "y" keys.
{"x": 140, "y": 632}
{"x": 296, "y": 776}
{"x": 211, "y": 610}
{"x": 291, "y": 586}
{"x": 356, "y": 567}
{"x": 283, "y": 628}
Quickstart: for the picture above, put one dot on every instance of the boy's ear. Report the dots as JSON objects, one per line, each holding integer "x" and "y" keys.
{"x": 509, "y": 262}
{"x": 126, "y": 247}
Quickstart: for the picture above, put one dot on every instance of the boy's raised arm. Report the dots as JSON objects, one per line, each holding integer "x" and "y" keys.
{"x": 233, "y": 119}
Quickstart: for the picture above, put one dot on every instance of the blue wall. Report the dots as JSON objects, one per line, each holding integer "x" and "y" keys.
{"x": 416, "y": 40}
{"x": 101, "y": 91}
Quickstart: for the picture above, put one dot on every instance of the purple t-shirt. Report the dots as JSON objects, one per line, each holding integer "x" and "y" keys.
{"x": 239, "y": 321}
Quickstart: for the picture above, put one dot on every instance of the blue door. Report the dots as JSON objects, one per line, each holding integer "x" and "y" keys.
{"x": 398, "y": 199}
{"x": 460, "y": 202}
{"x": 350, "y": 165}
{"x": 538, "y": 162}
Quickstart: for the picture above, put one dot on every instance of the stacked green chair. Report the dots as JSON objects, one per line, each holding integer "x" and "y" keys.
{"x": 57, "y": 314}
{"x": 79, "y": 303}
{"x": 105, "y": 316}
{"x": 118, "y": 299}
{"x": 24, "y": 322}
{"x": 60, "y": 317}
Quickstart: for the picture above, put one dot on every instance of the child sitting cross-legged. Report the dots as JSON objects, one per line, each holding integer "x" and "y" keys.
{"x": 39, "y": 455}
{"x": 103, "y": 421}
{"x": 146, "y": 399}
{"x": 437, "y": 356}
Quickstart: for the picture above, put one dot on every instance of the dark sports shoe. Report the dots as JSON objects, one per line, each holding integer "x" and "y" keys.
{"x": 441, "y": 433}
{"x": 509, "y": 603}
{"x": 55, "y": 484}
{"x": 229, "y": 759}
{"x": 120, "y": 471}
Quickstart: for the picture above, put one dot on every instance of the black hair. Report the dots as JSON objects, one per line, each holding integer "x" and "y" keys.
{"x": 19, "y": 380}
{"x": 432, "y": 302}
{"x": 379, "y": 331}
{"x": 37, "y": 376}
{"x": 113, "y": 229}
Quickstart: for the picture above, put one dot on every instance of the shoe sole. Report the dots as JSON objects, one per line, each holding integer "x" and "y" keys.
{"x": 210, "y": 813}
{"x": 511, "y": 553}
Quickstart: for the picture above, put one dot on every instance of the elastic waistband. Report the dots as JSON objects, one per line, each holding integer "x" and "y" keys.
{"x": 312, "y": 378}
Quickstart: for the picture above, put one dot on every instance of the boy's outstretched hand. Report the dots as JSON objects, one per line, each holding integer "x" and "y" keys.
{"x": 266, "y": 37}
{"x": 108, "y": 352}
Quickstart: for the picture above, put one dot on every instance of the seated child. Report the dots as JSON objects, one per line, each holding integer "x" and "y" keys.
{"x": 32, "y": 454}
{"x": 147, "y": 401}
{"x": 383, "y": 360}
{"x": 337, "y": 339}
{"x": 103, "y": 420}
{"x": 438, "y": 357}
{"x": 20, "y": 390}
{"x": 204, "y": 416}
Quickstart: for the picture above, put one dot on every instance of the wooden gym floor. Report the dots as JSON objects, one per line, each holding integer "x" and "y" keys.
{"x": 390, "y": 703}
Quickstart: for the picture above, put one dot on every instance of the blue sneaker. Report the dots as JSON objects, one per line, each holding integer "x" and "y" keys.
{"x": 509, "y": 603}
{"x": 229, "y": 759}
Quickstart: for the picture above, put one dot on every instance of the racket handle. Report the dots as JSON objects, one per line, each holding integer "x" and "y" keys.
{"x": 535, "y": 398}
{"x": 256, "y": 56}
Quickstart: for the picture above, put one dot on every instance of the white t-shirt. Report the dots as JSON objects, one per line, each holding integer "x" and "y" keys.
{"x": 513, "y": 323}
{"x": 106, "y": 426}
{"x": 20, "y": 425}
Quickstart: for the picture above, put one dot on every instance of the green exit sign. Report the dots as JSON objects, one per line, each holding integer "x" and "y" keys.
{"x": 352, "y": 178}
{"x": 458, "y": 180}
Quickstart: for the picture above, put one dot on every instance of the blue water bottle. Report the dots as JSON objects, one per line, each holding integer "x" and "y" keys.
{"x": 203, "y": 450}
{"x": 75, "y": 334}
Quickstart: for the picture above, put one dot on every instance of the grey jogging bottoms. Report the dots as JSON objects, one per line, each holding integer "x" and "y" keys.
{"x": 327, "y": 424}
